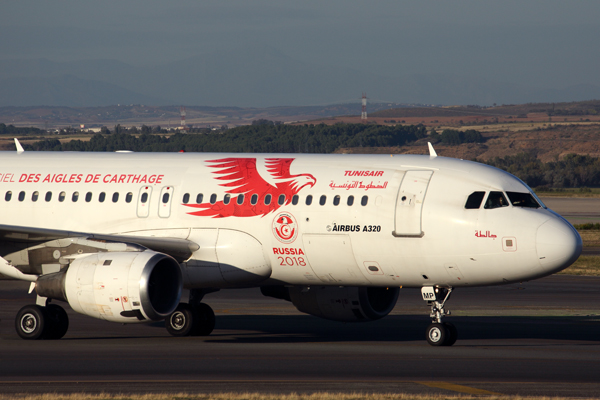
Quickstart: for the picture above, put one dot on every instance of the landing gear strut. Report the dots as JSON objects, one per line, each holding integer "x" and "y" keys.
{"x": 193, "y": 319}
{"x": 34, "y": 322}
{"x": 439, "y": 333}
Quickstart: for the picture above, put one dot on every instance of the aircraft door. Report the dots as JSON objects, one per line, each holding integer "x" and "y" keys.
{"x": 143, "y": 206}
{"x": 164, "y": 204}
{"x": 409, "y": 203}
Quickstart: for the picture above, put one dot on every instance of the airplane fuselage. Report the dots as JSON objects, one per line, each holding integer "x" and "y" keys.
{"x": 339, "y": 220}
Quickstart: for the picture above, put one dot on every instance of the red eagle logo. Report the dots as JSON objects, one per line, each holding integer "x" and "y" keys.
{"x": 244, "y": 181}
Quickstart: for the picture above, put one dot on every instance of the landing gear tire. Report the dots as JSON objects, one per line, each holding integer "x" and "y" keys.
{"x": 191, "y": 321}
{"x": 452, "y": 334}
{"x": 205, "y": 320}
{"x": 180, "y": 322}
{"x": 57, "y": 322}
{"x": 444, "y": 334}
{"x": 30, "y": 322}
{"x": 437, "y": 334}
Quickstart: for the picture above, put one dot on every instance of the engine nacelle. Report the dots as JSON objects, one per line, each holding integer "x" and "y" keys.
{"x": 348, "y": 304}
{"x": 118, "y": 286}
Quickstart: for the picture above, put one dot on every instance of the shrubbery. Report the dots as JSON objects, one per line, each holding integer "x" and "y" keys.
{"x": 258, "y": 138}
{"x": 572, "y": 171}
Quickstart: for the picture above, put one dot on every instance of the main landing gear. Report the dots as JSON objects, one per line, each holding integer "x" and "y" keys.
{"x": 439, "y": 333}
{"x": 34, "y": 322}
{"x": 193, "y": 319}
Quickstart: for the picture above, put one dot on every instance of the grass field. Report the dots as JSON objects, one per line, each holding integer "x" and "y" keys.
{"x": 261, "y": 396}
{"x": 591, "y": 238}
{"x": 585, "y": 265}
{"x": 570, "y": 192}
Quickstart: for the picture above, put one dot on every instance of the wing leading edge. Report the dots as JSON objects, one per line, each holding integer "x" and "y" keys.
{"x": 14, "y": 238}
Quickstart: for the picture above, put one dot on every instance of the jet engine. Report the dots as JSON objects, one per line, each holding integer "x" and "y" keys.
{"x": 347, "y": 304}
{"x": 117, "y": 286}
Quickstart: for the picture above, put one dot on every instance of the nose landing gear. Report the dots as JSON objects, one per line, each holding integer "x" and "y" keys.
{"x": 439, "y": 333}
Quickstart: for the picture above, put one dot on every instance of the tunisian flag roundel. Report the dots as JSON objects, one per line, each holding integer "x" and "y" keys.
{"x": 241, "y": 177}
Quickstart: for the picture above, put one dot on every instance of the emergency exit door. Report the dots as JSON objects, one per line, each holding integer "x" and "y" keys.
{"x": 409, "y": 204}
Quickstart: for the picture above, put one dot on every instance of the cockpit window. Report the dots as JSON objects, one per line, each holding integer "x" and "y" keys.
{"x": 474, "y": 200}
{"x": 537, "y": 199}
{"x": 522, "y": 200}
{"x": 496, "y": 200}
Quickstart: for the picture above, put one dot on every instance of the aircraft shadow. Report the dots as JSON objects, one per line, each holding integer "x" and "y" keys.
{"x": 399, "y": 328}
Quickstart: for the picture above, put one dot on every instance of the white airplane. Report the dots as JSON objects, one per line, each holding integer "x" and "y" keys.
{"x": 118, "y": 236}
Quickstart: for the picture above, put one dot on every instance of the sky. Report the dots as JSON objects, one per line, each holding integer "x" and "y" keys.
{"x": 542, "y": 43}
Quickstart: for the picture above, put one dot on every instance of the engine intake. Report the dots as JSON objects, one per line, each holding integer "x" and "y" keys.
{"x": 118, "y": 286}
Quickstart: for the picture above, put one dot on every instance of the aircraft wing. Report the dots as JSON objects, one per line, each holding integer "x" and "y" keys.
{"x": 14, "y": 238}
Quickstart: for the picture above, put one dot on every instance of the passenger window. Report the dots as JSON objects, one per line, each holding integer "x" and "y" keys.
{"x": 496, "y": 200}
{"x": 350, "y": 200}
{"x": 322, "y": 200}
{"x": 199, "y": 198}
{"x": 309, "y": 200}
{"x": 522, "y": 200}
{"x": 165, "y": 198}
{"x": 240, "y": 199}
{"x": 254, "y": 199}
{"x": 129, "y": 197}
{"x": 75, "y": 197}
{"x": 213, "y": 198}
{"x": 115, "y": 197}
{"x": 8, "y": 196}
{"x": 186, "y": 198}
{"x": 143, "y": 199}
{"x": 364, "y": 201}
{"x": 336, "y": 200}
{"x": 88, "y": 197}
{"x": 61, "y": 196}
{"x": 48, "y": 196}
{"x": 227, "y": 199}
{"x": 21, "y": 196}
{"x": 34, "y": 196}
{"x": 474, "y": 200}
{"x": 267, "y": 199}
{"x": 281, "y": 199}
{"x": 101, "y": 197}
{"x": 295, "y": 199}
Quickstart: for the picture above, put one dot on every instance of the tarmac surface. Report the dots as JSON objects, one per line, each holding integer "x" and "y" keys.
{"x": 575, "y": 210}
{"x": 536, "y": 338}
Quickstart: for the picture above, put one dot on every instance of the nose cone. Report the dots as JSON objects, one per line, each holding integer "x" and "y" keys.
{"x": 558, "y": 245}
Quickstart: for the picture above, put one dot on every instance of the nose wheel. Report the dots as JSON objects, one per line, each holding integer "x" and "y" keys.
{"x": 444, "y": 334}
{"x": 439, "y": 333}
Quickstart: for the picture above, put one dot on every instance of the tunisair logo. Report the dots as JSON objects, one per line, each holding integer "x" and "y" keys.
{"x": 243, "y": 181}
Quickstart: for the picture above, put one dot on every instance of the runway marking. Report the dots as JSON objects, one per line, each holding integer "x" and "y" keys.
{"x": 458, "y": 388}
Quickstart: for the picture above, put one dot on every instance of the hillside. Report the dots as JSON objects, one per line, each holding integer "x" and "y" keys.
{"x": 507, "y": 130}
{"x": 591, "y": 107}
{"x": 139, "y": 114}
{"x": 548, "y": 144}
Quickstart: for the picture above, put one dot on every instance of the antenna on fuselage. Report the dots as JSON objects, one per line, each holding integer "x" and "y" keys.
{"x": 20, "y": 148}
{"x": 432, "y": 152}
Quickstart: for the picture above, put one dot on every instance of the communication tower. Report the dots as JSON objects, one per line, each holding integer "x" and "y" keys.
{"x": 363, "y": 114}
{"x": 182, "y": 113}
